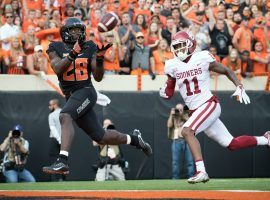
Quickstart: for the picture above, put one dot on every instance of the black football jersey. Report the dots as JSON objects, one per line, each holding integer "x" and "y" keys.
{"x": 78, "y": 73}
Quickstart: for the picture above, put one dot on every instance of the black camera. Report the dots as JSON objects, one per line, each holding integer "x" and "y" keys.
{"x": 176, "y": 111}
{"x": 16, "y": 134}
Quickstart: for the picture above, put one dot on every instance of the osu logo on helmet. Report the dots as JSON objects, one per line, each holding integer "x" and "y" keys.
{"x": 69, "y": 24}
{"x": 183, "y": 45}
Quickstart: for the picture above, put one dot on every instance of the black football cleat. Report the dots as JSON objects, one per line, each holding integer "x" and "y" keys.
{"x": 144, "y": 146}
{"x": 58, "y": 167}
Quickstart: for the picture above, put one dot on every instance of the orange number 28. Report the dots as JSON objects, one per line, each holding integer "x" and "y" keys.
{"x": 77, "y": 73}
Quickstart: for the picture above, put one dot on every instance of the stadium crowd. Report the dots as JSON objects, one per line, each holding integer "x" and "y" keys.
{"x": 236, "y": 32}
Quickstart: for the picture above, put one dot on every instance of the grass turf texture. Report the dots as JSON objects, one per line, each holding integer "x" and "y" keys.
{"x": 262, "y": 184}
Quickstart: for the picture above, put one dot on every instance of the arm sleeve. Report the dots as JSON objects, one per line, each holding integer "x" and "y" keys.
{"x": 170, "y": 86}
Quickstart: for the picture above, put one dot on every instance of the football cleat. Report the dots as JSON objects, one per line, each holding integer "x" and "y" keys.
{"x": 58, "y": 167}
{"x": 267, "y": 135}
{"x": 144, "y": 146}
{"x": 198, "y": 178}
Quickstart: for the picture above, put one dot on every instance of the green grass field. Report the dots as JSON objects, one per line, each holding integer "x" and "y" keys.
{"x": 262, "y": 184}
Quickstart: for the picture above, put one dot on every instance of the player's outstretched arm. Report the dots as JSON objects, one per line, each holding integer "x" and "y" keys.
{"x": 97, "y": 62}
{"x": 221, "y": 69}
{"x": 240, "y": 91}
{"x": 97, "y": 68}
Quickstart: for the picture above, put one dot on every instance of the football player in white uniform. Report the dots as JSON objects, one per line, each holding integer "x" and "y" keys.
{"x": 190, "y": 70}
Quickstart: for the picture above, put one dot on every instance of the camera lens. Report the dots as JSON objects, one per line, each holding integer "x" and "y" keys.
{"x": 16, "y": 134}
{"x": 176, "y": 111}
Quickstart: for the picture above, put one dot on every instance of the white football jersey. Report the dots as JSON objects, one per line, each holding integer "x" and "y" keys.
{"x": 192, "y": 78}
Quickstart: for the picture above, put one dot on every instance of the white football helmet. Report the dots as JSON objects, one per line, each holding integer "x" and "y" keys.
{"x": 183, "y": 44}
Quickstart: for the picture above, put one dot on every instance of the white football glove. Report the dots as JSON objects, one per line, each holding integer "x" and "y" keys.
{"x": 241, "y": 93}
{"x": 162, "y": 92}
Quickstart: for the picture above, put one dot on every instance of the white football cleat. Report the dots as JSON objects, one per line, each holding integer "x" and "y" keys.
{"x": 198, "y": 178}
{"x": 267, "y": 135}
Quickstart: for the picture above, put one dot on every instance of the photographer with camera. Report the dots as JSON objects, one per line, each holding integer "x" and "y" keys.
{"x": 181, "y": 154}
{"x": 16, "y": 150}
{"x": 112, "y": 164}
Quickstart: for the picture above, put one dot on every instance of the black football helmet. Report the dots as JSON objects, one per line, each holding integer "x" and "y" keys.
{"x": 70, "y": 23}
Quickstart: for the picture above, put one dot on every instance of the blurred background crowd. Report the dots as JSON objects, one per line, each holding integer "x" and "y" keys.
{"x": 236, "y": 32}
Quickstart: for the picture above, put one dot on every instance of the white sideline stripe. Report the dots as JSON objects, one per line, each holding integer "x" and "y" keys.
{"x": 132, "y": 190}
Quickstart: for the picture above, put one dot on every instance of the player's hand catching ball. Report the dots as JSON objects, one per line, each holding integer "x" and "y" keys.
{"x": 102, "y": 50}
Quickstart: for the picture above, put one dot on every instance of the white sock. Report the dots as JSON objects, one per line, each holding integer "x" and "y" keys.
{"x": 200, "y": 166}
{"x": 261, "y": 140}
{"x": 65, "y": 153}
{"x": 128, "y": 139}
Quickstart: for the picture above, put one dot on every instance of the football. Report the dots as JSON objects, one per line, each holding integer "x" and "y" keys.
{"x": 107, "y": 22}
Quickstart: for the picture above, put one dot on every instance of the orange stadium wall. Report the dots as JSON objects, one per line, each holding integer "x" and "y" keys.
{"x": 147, "y": 112}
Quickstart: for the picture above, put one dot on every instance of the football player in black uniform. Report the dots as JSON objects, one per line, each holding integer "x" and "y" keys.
{"x": 73, "y": 60}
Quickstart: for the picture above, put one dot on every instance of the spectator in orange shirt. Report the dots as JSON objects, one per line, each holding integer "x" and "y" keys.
{"x": 161, "y": 55}
{"x": 260, "y": 58}
{"x": 261, "y": 32}
{"x": 233, "y": 61}
{"x": 29, "y": 19}
{"x": 29, "y": 40}
{"x": 15, "y": 58}
{"x": 140, "y": 10}
{"x": 242, "y": 39}
{"x": 237, "y": 19}
{"x": 115, "y": 7}
{"x": 37, "y": 62}
{"x": 153, "y": 35}
{"x": 246, "y": 64}
{"x": 189, "y": 11}
{"x": 140, "y": 21}
{"x": 96, "y": 17}
{"x": 112, "y": 55}
{"x": 156, "y": 11}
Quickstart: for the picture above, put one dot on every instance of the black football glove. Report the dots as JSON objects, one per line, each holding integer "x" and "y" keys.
{"x": 102, "y": 50}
